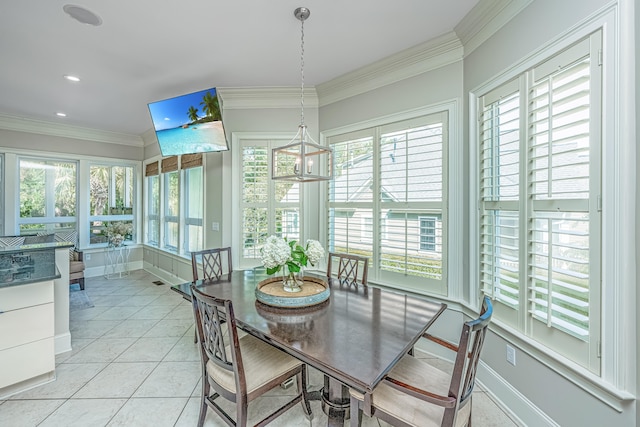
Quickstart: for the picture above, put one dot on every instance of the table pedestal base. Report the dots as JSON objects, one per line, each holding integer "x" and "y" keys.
{"x": 335, "y": 401}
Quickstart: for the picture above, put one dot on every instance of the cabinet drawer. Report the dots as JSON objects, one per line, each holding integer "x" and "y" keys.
{"x": 30, "y": 324}
{"x": 26, "y": 361}
{"x": 19, "y": 296}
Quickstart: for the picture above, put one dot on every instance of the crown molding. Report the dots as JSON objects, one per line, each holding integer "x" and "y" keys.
{"x": 485, "y": 19}
{"x": 41, "y": 127}
{"x": 430, "y": 55}
{"x": 242, "y": 98}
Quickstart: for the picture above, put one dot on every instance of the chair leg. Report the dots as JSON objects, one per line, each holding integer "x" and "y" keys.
{"x": 203, "y": 403}
{"x": 241, "y": 419}
{"x": 81, "y": 282}
{"x": 356, "y": 413}
{"x": 302, "y": 388}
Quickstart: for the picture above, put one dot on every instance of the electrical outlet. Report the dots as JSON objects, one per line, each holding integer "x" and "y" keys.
{"x": 87, "y": 257}
{"x": 215, "y": 226}
{"x": 511, "y": 355}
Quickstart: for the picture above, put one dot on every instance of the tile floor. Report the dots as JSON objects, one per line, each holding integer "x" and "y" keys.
{"x": 134, "y": 363}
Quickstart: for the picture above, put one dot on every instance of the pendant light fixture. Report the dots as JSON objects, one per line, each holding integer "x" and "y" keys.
{"x": 302, "y": 159}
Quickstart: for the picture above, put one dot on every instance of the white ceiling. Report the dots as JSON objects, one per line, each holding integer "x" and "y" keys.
{"x": 148, "y": 50}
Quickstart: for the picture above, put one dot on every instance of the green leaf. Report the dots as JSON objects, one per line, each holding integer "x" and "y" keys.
{"x": 293, "y": 267}
{"x": 273, "y": 270}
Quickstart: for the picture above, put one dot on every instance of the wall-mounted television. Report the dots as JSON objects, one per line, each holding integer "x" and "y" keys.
{"x": 190, "y": 123}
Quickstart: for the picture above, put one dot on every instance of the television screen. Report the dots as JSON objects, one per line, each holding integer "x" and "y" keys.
{"x": 189, "y": 123}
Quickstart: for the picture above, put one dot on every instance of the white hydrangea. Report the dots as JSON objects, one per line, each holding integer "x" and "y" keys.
{"x": 315, "y": 251}
{"x": 275, "y": 252}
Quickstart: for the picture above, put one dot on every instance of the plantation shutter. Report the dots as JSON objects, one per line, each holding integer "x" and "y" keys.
{"x": 500, "y": 194}
{"x": 254, "y": 200}
{"x": 268, "y": 207}
{"x": 411, "y": 190}
{"x": 560, "y": 171}
{"x": 539, "y": 201}
{"x": 350, "y": 215}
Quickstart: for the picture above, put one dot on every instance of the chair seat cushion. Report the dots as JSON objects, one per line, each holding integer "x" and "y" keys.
{"x": 76, "y": 266}
{"x": 418, "y": 373}
{"x": 262, "y": 363}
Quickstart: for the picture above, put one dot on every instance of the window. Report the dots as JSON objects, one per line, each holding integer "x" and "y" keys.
{"x": 175, "y": 204}
{"x": 47, "y": 195}
{"x": 2, "y": 194}
{"x": 111, "y": 195}
{"x": 539, "y": 195}
{"x": 266, "y": 206}
{"x": 153, "y": 204}
{"x": 171, "y": 206}
{"x": 387, "y": 200}
{"x": 427, "y": 233}
{"x": 194, "y": 207}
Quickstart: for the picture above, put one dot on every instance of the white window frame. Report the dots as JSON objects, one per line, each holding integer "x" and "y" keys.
{"x": 151, "y": 216}
{"x": 49, "y": 220}
{"x": 615, "y": 380}
{"x": 189, "y": 219}
{"x": 270, "y": 140}
{"x": 452, "y": 205}
{"x": 130, "y": 194}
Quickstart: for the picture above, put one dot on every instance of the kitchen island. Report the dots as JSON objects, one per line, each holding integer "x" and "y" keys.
{"x": 34, "y": 313}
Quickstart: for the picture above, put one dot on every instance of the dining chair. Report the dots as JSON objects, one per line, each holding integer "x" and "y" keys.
{"x": 415, "y": 393}
{"x": 348, "y": 267}
{"x": 213, "y": 263}
{"x": 240, "y": 369}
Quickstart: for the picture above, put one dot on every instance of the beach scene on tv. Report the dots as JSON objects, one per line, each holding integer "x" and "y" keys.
{"x": 189, "y": 123}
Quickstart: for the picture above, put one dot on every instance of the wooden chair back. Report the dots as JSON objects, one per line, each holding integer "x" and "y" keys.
{"x": 216, "y": 263}
{"x": 352, "y": 269}
{"x": 463, "y": 378}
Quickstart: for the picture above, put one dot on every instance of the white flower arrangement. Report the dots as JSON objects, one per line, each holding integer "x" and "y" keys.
{"x": 278, "y": 252}
{"x": 118, "y": 231}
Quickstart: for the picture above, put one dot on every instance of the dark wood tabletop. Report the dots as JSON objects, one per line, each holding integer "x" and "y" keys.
{"x": 356, "y": 336}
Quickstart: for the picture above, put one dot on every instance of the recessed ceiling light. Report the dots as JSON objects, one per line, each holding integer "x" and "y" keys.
{"x": 60, "y": 114}
{"x": 82, "y": 15}
{"x": 71, "y": 78}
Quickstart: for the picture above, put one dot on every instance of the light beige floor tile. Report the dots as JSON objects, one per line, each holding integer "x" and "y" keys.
{"x": 118, "y": 380}
{"x": 131, "y": 328}
{"x": 84, "y": 412}
{"x": 102, "y": 350}
{"x": 77, "y": 344}
{"x": 92, "y": 328}
{"x": 27, "y": 412}
{"x": 138, "y": 300}
{"x": 86, "y": 314}
{"x": 118, "y": 313}
{"x": 149, "y": 412}
{"x": 182, "y": 311}
{"x": 167, "y": 299}
{"x": 485, "y": 413}
{"x": 189, "y": 416}
{"x": 148, "y": 349}
{"x": 171, "y": 379}
{"x": 185, "y": 350}
{"x": 169, "y": 328}
{"x": 108, "y": 300}
{"x": 156, "y": 312}
{"x": 69, "y": 379}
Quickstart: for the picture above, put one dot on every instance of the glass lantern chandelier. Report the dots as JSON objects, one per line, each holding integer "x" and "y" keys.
{"x": 302, "y": 159}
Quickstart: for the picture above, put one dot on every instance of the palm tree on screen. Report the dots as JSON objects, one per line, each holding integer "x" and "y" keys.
{"x": 210, "y": 106}
{"x": 193, "y": 113}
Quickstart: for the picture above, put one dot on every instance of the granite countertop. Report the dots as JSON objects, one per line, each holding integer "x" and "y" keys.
{"x": 35, "y": 247}
{"x": 20, "y": 265}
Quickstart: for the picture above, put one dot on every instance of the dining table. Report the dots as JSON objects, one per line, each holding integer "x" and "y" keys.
{"x": 354, "y": 338}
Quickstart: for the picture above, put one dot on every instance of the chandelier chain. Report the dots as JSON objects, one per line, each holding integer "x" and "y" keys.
{"x": 302, "y": 72}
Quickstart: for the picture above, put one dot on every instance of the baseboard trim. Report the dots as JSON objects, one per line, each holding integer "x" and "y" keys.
{"x": 62, "y": 343}
{"x": 510, "y": 400}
